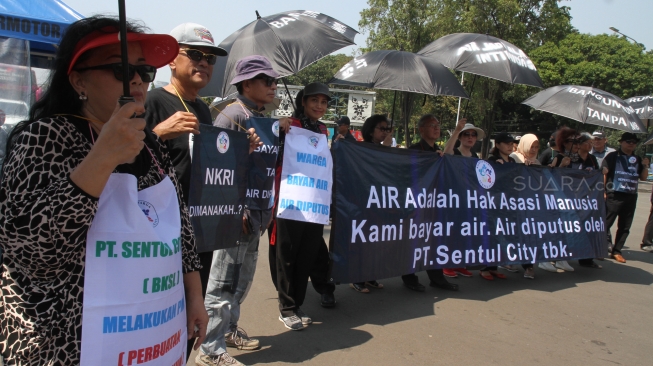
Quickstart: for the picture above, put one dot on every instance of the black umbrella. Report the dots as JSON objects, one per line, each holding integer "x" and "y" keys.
{"x": 643, "y": 106}
{"x": 399, "y": 70}
{"x": 291, "y": 40}
{"x": 587, "y": 105}
{"x": 484, "y": 55}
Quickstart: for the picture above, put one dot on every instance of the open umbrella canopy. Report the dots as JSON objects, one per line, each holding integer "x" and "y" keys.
{"x": 643, "y": 106}
{"x": 484, "y": 55}
{"x": 291, "y": 40}
{"x": 587, "y": 105}
{"x": 399, "y": 70}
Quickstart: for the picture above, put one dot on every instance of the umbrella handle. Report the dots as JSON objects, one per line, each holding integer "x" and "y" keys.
{"x": 292, "y": 102}
{"x": 123, "y": 47}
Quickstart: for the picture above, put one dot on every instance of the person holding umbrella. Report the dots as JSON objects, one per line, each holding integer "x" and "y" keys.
{"x": 429, "y": 130}
{"x": 60, "y": 165}
{"x": 467, "y": 134}
{"x": 622, "y": 170}
{"x": 299, "y": 245}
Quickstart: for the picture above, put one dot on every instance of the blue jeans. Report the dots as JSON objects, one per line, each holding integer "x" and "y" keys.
{"x": 232, "y": 272}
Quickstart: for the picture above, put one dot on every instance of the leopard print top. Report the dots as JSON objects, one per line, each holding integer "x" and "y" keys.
{"x": 44, "y": 218}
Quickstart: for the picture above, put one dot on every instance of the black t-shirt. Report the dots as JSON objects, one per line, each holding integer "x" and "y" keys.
{"x": 546, "y": 157}
{"x": 610, "y": 162}
{"x": 424, "y": 146}
{"x": 457, "y": 152}
{"x": 159, "y": 106}
{"x": 494, "y": 158}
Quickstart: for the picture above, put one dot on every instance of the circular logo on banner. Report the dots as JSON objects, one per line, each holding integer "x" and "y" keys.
{"x": 313, "y": 141}
{"x": 632, "y": 160}
{"x": 149, "y": 212}
{"x": 223, "y": 142}
{"x": 485, "y": 174}
{"x": 275, "y": 128}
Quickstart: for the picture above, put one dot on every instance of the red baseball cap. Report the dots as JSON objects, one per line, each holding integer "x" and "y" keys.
{"x": 158, "y": 49}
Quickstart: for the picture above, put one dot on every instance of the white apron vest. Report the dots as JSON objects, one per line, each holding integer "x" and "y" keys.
{"x": 134, "y": 307}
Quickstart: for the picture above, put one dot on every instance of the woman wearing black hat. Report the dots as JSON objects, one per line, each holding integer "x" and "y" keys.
{"x": 65, "y": 197}
{"x": 300, "y": 248}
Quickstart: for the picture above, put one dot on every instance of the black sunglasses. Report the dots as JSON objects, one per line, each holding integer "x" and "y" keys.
{"x": 573, "y": 141}
{"x": 146, "y": 72}
{"x": 267, "y": 79}
{"x": 472, "y": 134}
{"x": 385, "y": 129}
{"x": 630, "y": 141}
{"x": 197, "y": 55}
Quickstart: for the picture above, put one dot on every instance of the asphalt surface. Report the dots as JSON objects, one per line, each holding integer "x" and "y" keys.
{"x": 602, "y": 317}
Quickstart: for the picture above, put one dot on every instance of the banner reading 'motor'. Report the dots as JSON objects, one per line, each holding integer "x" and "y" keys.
{"x": 402, "y": 211}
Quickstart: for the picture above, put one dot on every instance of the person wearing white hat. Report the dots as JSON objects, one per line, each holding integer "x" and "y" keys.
{"x": 175, "y": 112}
{"x": 467, "y": 134}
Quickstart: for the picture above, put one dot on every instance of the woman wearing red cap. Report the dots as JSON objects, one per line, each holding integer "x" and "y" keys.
{"x": 87, "y": 197}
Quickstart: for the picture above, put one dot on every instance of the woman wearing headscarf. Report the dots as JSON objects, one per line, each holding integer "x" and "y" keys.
{"x": 526, "y": 153}
{"x": 60, "y": 194}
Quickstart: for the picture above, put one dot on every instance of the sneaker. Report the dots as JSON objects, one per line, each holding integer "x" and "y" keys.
{"x": 292, "y": 322}
{"x": 530, "y": 273}
{"x": 237, "y": 338}
{"x": 509, "y": 268}
{"x": 222, "y": 359}
{"x": 306, "y": 320}
{"x": 463, "y": 272}
{"x": 563, "y": 265}
{"x": 547, "y": 266}
{"x": 647, "y": 248}
{"x": 449, "y": 272}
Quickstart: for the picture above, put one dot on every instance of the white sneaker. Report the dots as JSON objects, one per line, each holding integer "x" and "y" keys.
{"x": 547, "y": 266}
{"x": 564, "y": 266}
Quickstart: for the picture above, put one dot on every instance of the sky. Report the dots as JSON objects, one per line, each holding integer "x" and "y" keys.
{"x": 223, "y": 17}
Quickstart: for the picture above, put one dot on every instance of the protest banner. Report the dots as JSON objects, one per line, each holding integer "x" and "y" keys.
{"x": 306, "y": 177}
{"x": 217, "y": 187}
{"x": 404, "y": 211}
{"x": 262, "y": 163}
{"x": 134, "y": 309}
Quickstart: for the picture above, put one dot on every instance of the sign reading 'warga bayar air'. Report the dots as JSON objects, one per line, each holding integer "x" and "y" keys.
{"x": 403, "y": 211}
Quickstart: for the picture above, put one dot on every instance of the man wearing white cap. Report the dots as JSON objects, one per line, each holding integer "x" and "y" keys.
{"x": 175, "y": 111}
{"x": 599, "y": 147}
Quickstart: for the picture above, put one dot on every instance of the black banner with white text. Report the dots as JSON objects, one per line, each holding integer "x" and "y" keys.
{"x": 217, "y": 187}
{"x": 401, "y": 211}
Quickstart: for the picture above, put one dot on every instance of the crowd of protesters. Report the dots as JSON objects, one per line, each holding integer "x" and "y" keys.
{"x": 49, "y": 199}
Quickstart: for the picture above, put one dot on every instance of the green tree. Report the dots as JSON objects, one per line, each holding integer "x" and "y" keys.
{"x": 411, "y": 24}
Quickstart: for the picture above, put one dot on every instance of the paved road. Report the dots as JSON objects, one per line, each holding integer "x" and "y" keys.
{"x": 602, "y": 317}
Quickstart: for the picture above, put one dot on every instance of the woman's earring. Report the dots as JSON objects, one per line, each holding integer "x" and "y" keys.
{"x": 83, "y": 96}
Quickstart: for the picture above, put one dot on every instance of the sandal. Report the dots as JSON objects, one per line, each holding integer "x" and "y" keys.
{"x": 359, "y": 288}
{"x": 374, "y": 284}
{"x": 498, "y": 275}
{"x": 486, "y": 275}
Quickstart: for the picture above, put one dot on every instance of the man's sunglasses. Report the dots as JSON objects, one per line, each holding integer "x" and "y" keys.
{"x": 267, "y": 79}
{"x": 632, "y": 142}
{"x": 146, "y": 72}
{"x": 385, "y": 129}
{"x": 197, "y": 55}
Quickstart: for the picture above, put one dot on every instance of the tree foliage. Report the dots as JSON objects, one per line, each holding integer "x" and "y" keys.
{"x": 321, "y": 71}
{"x": 412, "y": 24}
